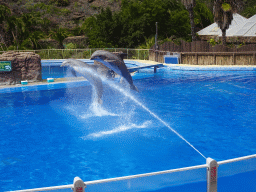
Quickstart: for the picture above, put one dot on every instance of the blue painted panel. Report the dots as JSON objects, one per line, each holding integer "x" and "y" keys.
{"x": 171, "y": 60}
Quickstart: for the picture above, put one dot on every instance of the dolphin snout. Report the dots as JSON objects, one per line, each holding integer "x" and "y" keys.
{"x": 65, "y": 63}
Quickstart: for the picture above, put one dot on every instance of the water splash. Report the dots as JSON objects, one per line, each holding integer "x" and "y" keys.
{"x": 129, "y": 95}
{"x": 120, "y": 129}
{"x": 96, "y": 110}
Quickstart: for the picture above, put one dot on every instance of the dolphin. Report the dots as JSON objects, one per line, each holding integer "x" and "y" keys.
{"x": 115, "y": 63}
{"x": 89, "y": 72}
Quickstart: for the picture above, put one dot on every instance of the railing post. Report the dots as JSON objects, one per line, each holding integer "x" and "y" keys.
{"x": 78, "y": 185}
{"x": 127, "y": 53}
{"x": 212, "y": 175}
{"x": 254, "y": 59}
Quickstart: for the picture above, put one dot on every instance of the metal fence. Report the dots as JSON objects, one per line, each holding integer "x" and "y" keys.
{"x": 226, "y": 173}
{"x": 142, "y": 54}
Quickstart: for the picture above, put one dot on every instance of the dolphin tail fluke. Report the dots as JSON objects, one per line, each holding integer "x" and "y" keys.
{"x": 133, "y": 87}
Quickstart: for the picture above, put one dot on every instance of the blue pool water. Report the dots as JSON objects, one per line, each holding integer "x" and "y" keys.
{"x": 51, "y": 133}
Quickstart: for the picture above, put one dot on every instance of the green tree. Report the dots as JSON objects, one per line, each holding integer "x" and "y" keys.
{"x": 203, "y": 15}
{"x": 132, "y": 25}
{"x": 5, "y": 12}
{"x": 249, "y": 11}
{"x": 60, "y": 2}
{"x": 179, "y": 23}
{"x": 100, "y": 29}
{"x": 33, "y": 39}
{"x": 137, "y": 19}
{"x": 223, "y": 14}
{"x": 59, "y": 34}
{"x": 149, "y": 42}
{"x": 249, "y": 8}
{"x": 16, "y": 27}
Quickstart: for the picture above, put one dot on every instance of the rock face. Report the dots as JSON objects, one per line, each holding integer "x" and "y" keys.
{"x": 25, "y": 66}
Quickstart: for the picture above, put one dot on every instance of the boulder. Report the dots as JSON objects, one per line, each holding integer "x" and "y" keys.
{"x": 25, "y": 66}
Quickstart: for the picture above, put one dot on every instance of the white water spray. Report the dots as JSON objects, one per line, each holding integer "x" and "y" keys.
{"x": 122, "y": 128}
{"x": 127, "y": 94}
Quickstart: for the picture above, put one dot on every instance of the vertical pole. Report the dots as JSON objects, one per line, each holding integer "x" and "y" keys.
{"x": 155, "y": 69}
{"x": 254, "y": 59}
{"x": 127, "y": 53}
{"x": 48, "y": 54}
{"x": 156, "y": 45}
{"x": 212, "y": 174}
{"x": 79, "y": 185}
{"x": 138, "y": 54}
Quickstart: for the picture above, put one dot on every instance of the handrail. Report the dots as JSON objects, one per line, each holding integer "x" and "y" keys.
{"x": 145, "y": 175}
{"x": 116, "y": 179}
{"x": 72, "y": 49}
{"x": 236, "y": 159}
{"x": 138, "y": 176}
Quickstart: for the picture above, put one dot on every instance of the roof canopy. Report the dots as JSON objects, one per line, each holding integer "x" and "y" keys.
{"x": 240, "y": 27}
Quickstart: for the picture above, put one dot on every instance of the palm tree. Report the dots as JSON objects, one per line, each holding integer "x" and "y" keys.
{"x": 4, "y": 13}
{"x": 16, "y": 27}
{"x": 149, "y": 42}
{"x": 34, "y": 38}
{"x": 190, "y": 4}
{"x": 223, "y": 14}
{"x": 59, "y": 35}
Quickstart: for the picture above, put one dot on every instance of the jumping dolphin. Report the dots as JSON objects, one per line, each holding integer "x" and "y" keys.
{"x": 115, "y": 63}
{"x": 89, "y": 72}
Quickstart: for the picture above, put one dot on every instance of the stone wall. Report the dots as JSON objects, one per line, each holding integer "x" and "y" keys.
{"x": 25, "y": 66}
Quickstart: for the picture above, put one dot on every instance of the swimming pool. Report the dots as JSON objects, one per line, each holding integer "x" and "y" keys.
{"x": 50, "y": 133}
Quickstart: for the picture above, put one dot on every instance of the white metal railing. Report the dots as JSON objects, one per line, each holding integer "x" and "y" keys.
{"x": 211, "y": 174}
{"x": 142, "y": 54}
{"x": 115, "y": 179}
{"x": 236, "y": 159}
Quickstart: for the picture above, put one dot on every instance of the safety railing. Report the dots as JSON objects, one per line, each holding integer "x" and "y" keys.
{"x": 142, "y": 54}
{"x": 205, "y": 177}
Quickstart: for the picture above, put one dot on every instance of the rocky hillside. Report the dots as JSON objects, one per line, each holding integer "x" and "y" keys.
{"x": 66, "y": 13}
